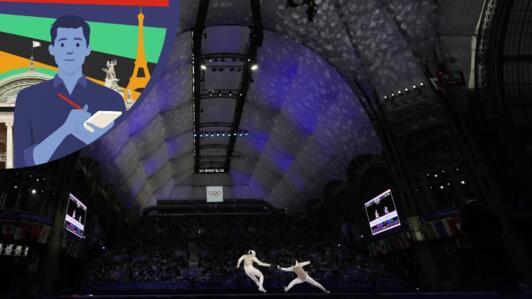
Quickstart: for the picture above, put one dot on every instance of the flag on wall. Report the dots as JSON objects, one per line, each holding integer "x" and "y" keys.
{"x": 8, "y": 230}
{"x": 442, "y": 228}
{"x": 43, "y": 235}
{"x": 18, "y": 233}
{"x": 35, "y": 231}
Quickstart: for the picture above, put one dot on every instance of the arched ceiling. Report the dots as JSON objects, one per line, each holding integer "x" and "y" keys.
{"x": 305, "y": 123}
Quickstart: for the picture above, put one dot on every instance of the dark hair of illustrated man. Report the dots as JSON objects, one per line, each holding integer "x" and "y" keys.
{"x": 73, "y": 22}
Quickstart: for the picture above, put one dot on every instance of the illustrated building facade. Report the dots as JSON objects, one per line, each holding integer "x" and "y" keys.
{"x": 9, "y": 88}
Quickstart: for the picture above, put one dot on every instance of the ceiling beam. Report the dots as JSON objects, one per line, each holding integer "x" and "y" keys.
{"x": 196, "y": 74}
{"x": 255, "y": 41}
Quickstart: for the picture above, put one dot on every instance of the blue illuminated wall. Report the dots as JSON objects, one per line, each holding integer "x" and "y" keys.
{"x": 305, "y": 124}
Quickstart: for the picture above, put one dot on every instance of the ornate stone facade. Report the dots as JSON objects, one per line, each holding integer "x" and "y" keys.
{"x": 9, "y": 89}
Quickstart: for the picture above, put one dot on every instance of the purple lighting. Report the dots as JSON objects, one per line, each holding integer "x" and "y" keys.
{"x": 281, "y": 159}
{"x": 305, "y": 124}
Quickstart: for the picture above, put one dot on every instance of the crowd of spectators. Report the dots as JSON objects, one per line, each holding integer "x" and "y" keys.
{"x": 201, "y": 252}
{"x": 148, "y": 253}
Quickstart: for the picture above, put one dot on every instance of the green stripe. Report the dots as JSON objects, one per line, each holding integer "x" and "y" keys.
{"x": 24, "y": 70}
{"x": 113, "y": 39}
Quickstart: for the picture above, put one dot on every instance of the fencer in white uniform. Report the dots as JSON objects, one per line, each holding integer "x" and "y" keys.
{"x": 251, "y": 271}
{"x": 302, "y": 276}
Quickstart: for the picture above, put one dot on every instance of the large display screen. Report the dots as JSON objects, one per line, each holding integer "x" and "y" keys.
{"x": 75, "y": 216}
{"x": 382, "y": 213}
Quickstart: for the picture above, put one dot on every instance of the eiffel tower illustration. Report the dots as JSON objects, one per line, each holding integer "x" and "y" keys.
{"x": 141, "y": 74}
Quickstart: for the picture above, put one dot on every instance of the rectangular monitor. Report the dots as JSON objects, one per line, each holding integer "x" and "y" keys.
{"x": 75, "y": 216}
{"x": 382, "y": 213}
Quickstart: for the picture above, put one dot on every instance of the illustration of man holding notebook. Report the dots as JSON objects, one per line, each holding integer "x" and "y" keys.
{"x": 60, "y": 116}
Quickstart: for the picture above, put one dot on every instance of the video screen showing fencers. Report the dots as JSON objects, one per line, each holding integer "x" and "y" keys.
{"x": 75, "y": 216}
{"x": 382, "y": 213}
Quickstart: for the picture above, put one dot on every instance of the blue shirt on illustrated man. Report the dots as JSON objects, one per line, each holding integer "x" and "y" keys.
{"x": 48, "y": 127}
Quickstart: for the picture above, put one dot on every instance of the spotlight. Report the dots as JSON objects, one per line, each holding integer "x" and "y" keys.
{"x": 435, "y": 175}
{"x": 385, "y": 97}
{"x": 203, "y": 67}
{"x": 254, "y": 67}
{"x": 414, "y": 86}
{"x": 421, "y": 84}
{"x": 16, "y": 187}
{"x": 33, "y": 191}
{"x": 462, "y": 182}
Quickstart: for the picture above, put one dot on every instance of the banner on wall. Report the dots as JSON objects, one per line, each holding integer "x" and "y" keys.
{"x": 24, "y": 231}
{"x": 215, "y": 193}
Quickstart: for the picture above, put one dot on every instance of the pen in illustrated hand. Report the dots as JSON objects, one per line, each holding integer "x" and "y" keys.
{"x": 69, "y": 101}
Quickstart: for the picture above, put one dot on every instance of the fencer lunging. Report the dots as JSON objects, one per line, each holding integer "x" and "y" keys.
{"x": 251, "y": 271}
{"x": 302, "y": 276}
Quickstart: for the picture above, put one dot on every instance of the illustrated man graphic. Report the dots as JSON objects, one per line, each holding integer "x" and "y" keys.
{"x": 47, "y": 126}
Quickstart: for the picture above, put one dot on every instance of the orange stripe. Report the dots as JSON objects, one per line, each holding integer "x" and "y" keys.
{"x": 12, "y": 62}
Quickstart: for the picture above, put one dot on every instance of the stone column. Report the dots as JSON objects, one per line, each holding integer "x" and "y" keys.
{"x": 9, "y": 145}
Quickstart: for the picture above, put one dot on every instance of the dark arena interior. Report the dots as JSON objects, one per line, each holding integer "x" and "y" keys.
{"x": 386, "y": 142}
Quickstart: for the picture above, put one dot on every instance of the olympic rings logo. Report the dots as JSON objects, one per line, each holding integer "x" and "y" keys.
{"x": 215, "y": 193}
